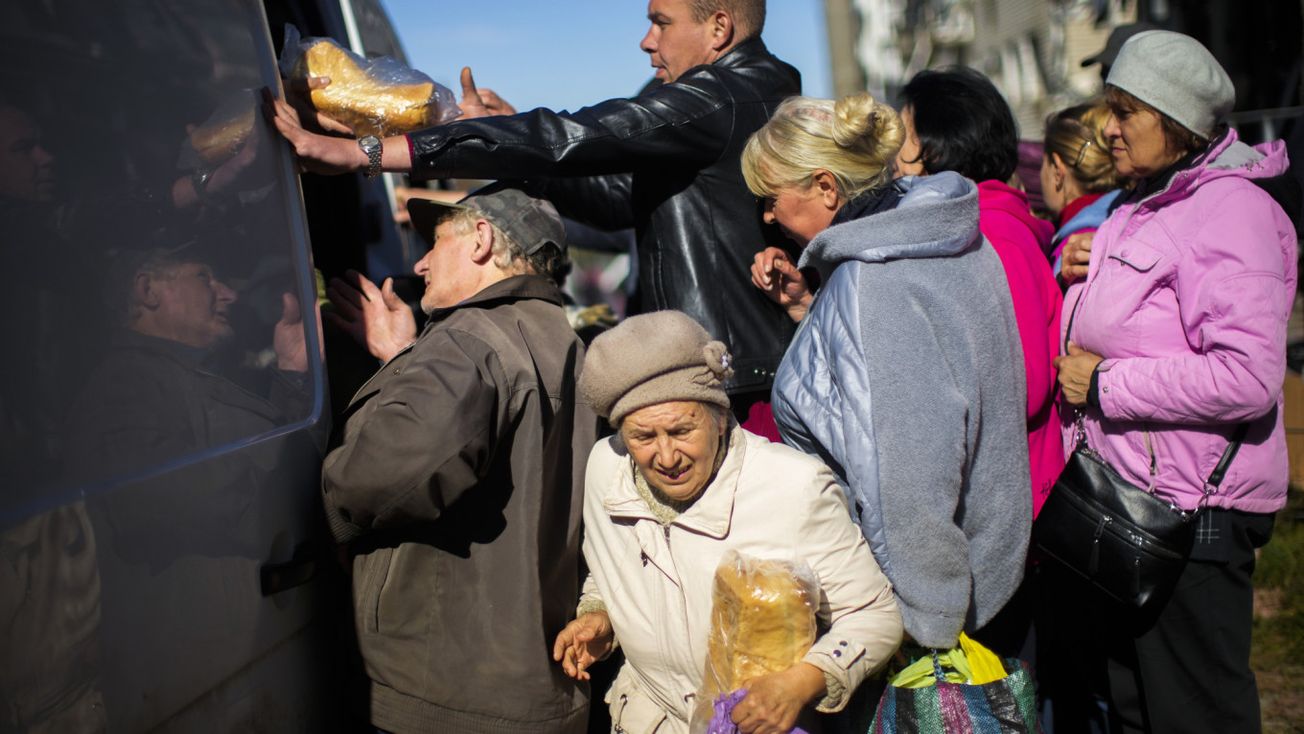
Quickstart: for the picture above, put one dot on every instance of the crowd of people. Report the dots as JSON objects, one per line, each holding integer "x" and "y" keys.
{"x": 858, "y": 349}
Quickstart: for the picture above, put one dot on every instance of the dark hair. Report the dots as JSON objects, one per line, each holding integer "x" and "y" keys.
{"x": 1176, "y": 137}
{"x": 963, "y": 124}
{"x": 551, "y": 262}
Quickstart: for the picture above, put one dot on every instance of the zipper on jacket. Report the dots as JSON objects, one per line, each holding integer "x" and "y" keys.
{"x": 1154, "y": 464}
{"x": 683, "y": 603}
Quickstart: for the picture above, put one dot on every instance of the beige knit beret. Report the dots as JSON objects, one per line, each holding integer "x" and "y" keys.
{"x": 653, "y": 358}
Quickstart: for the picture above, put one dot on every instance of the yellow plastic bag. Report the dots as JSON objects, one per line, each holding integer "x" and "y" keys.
{"x": 970, "y": 663}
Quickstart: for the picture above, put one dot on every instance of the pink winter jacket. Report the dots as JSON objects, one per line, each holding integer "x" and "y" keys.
{"x": 1021, "y": 240}
{"x": 1187, "y": 297}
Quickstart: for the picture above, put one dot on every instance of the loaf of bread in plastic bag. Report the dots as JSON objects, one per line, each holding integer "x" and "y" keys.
{"x": 377, "y": 96}
{"x": 762, "y": 621}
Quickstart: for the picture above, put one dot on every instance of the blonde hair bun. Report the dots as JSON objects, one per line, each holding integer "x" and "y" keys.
{"x": 855, "y": 138}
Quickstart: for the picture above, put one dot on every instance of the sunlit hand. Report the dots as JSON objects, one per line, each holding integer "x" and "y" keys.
{"x": 481, "y": 102}
{"x": 316, "y": 153}
{"x": 494, "y": 104}
{"x": 1075, "y": 370}
{"x": 375, "y": 317}
{"x": 1076, "y": 256}
{"x": 288, "y": 338}
{"x": 773, "y": 701}
{"x": 584, "y": 642}
{"x": 775, "y": 274}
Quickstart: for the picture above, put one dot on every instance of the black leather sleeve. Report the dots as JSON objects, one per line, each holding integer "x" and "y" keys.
{"x": 689, "y": 121}
{"x": 603, "y": 202}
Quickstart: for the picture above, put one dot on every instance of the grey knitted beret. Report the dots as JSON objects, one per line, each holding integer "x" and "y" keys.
{"x": 653, "y": 358}
{"x": 1177, "y": 76}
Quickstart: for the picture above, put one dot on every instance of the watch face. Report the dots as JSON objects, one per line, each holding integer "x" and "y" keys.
{"x": 369, "y": 143}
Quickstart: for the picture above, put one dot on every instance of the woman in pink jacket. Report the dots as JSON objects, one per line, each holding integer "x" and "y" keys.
{"x": 956, "y": 120}
{"x": 1175, "y": 338}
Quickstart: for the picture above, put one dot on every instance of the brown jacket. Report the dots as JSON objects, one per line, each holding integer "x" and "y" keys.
{"x": 458, "y": 483}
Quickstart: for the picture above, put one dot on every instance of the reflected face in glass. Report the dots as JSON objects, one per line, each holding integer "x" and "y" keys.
{"x": 908, "y": 162}
{"x": 447, "y": 268}
{"x": 674, "y": 446}
{"x": 674, "y": 41}
{"x": 26, "y": 167}
{"x": 190, "y": 305}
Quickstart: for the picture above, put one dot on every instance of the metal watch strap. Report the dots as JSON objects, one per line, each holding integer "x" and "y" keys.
{"x": 374, "y": 152}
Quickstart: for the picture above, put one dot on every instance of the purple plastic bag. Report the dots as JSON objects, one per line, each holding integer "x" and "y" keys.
{"x": 721, "y": 723}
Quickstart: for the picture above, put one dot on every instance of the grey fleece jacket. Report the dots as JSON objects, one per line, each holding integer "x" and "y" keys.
{"x": 906, "y": 377}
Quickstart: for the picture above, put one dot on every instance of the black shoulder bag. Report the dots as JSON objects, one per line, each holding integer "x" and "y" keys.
{"x": 1126, "y": 541}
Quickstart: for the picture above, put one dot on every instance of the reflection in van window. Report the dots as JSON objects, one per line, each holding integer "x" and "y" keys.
{"x": 156, "y": 382}
{"x": 153, "y": 312}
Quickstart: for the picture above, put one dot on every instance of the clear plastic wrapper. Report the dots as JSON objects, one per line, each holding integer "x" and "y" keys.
{"x": 762, "y": 621}
{"x": 379, "y": 96}
{"x": 223, "y": 134}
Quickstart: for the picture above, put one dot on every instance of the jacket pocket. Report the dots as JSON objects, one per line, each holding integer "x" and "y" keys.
{"x": 632, "y": 711}
{"x": 1137, "y": 256}
{"x": 369, "y": 582}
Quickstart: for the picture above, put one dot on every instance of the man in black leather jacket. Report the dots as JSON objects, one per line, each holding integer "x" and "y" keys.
{"x": 665, "y": 162}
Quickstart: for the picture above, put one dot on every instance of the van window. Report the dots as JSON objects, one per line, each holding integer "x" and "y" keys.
{"x": 160, "y": 304}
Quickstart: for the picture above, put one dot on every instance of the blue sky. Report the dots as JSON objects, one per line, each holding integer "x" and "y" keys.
{"x": 569, "y": 53}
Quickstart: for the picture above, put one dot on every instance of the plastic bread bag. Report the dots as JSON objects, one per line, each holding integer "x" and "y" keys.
{"x": 379, "y": 96}
{"x": 762, "y": 621}
{"x": 223, "y": 134}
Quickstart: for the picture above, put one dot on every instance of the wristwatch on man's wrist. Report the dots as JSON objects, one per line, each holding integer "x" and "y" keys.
{"x": 371, "y": 145}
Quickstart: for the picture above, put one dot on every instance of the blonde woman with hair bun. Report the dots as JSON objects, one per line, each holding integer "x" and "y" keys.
{"x": 1078, "y": 181}
{"x": 905, "y": 377}
{"x": 822, "y": 154}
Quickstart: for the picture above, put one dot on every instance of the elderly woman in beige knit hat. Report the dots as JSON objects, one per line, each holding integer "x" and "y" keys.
{"x": 679, "y": 485}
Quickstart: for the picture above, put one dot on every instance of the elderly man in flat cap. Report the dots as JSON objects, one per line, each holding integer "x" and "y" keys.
{"x": 457, "y": 484}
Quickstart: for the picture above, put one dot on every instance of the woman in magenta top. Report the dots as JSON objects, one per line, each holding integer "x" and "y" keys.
{"x": 956, "y": 120}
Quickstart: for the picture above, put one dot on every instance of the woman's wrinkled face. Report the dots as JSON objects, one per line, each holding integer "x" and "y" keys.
{"x": 1137, "y": 143}
{"x": 674, "y": 445}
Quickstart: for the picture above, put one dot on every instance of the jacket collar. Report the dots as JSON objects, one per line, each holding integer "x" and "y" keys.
{"x": 710, "y": 515}
{"x": 743, "y": 54}
{"x": 1225, "y": 157}
{"x": 874, "y": 201}
{"x": 192, "y": 357}
{"x": 1073, "y": 207}
{"x": 1091, "y": 214}
{"x": 515, "y": 288}
{"x": 937, "y": 217}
